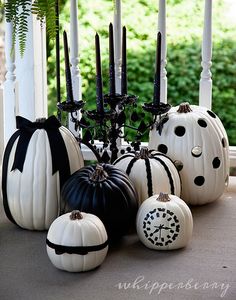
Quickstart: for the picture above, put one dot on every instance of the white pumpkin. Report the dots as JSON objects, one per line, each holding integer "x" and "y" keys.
{"x": 164, "y": 222}
{"x": 151, "y": 172}
{"x": 195, "y": 139}
{"x": 77, "y": 242}
{"x": 31, "y": 196}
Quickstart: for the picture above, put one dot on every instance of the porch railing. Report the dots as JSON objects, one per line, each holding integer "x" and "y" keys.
{"x": 24, "y": 91}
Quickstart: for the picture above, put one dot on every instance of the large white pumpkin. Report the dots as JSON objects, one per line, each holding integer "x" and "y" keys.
{"x": 151, "y": 172}
{"x": 195, "y": 139}
{"x": 31, "y": 195}
{"x": 164, "y": 222}
{"x": 77, "y": 242}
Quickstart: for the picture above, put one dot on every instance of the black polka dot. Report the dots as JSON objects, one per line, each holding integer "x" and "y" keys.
{"x": 211, "y": 114}
{"x": 202, "y": 123}
{"x": 223, "y": 141}
{"x": 122, "y": 151}
{"x": 199, "y": 180}
{"x": 128, "y": 149}
{"x": 162, "y": 148}
{"x": 216, "y": 162}
{"x": 180, "y": 130}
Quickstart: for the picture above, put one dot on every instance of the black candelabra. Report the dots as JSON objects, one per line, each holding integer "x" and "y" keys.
{"x": 107, "y": 122}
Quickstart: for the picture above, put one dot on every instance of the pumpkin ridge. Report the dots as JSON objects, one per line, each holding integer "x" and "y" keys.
{"x": 130, "y": 165}
{"x": 122, "y": 157}
{"x": 5, "y": 163}
{"x": 168, "y": 174}
{"x": 149, "y": 177}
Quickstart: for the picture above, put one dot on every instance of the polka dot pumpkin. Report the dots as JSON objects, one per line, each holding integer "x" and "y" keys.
{"x": 195, "y": 139}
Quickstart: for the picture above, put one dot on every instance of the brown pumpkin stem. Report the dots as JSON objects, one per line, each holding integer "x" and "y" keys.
{"x": 99, "y": 174}
{"x": 144, "y": 153}
{"x": 76, "y": 215}
{"x": 163, "y": 197}
{"x": 184, "y": 108}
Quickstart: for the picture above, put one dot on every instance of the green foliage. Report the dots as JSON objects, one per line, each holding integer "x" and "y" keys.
{"x": 184, "y": 34}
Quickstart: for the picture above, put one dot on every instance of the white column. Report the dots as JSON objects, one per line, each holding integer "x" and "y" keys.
{"x": 162, "y": 29}
{"x": 205, "y": 88}
{"x": 9, "y": 97}
{"x": 117, "y": 43}
{"x": 31, "y": 72}
{"x": 1, "y": 124}
{"x": 74, "y": 56}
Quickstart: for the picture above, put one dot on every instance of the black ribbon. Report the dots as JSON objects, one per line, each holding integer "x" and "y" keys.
{"x": 60, "y": 159}
{"x": 81, "y": 250}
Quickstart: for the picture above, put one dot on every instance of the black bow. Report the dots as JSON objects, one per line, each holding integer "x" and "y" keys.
{"x": 60, "y": 160}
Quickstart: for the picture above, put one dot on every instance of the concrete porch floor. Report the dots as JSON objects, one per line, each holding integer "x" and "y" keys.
{"x": 205, "y": 269}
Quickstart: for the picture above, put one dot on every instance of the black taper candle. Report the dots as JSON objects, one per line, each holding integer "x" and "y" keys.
{"x": 124, "y": 64}
{"x": 67, "y": 70}
{"x": 100, "y": 104}
{"x": 111, "y": 61}
{"x": 157, "y": 80}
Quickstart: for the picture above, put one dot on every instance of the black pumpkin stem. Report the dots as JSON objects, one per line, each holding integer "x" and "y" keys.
{"x": 99, "y": 174}
{"x": 163, "y": 197}
{"x": 76, "y": 215}
{"x": 40, "y": 120}
{"x": 184, "y": 108}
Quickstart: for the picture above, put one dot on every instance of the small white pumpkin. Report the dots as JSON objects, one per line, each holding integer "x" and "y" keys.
{"x": 31, "y": 192}
{"x": 151, "y": 172}
{"x": 77, "y": 242}
{"x": 195, "y": 139}
{"x": 164, "y": 222}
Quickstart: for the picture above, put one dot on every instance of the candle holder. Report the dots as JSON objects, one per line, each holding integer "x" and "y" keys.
{"x": 108, "y": 125}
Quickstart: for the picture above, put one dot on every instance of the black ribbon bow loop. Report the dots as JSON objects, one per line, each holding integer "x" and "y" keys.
{"x": 59, "y": 155}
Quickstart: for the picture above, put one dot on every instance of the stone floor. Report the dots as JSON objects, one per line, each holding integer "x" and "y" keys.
{"x": 205, "y": 269}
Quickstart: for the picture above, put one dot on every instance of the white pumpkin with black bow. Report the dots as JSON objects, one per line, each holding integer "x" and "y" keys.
{"x": 195, "y": 139}
{"x": 77, "y": 242}
{"x": 38, "y": 159}
{"x": 164, "y": 222}
{"x": 151, "y": 172}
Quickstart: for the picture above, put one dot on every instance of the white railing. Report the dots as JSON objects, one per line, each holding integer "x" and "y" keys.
{"x": 25, "y": 86}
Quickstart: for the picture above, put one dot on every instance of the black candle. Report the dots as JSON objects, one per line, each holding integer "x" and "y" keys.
{"x": 100, "y": 105}
{"x": 157, "y": 80}
{"x": 67, "y": 70}
{"x": 124, "y": 63}
{"x": 111, "y": 61}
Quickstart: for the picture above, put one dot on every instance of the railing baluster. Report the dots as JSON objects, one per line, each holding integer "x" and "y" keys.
{"x": 162, "y": 29}
{"x": 205, "y": 90}
{"x": 9, "y": 86}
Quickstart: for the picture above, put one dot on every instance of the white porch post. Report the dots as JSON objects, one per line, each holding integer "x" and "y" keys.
{"x": 205, "y": 88}
{"x": 9, "y": 95}
{"x": 31, "y": 73}
{"x": 162, "y": 29}
{"x": 74, "y": 56}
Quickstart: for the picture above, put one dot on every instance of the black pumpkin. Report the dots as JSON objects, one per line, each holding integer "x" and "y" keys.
{"x": 105, "y": 191}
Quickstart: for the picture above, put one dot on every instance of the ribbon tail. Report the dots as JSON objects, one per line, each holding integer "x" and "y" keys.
{"x": 21, "y": 150}
{"x": 60, "y": 159}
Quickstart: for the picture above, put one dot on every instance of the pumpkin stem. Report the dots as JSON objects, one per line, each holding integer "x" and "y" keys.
{"x": 184, "y": 108}
{"x": 99, "y": 174}
{"x": 163, "y": 197}
{"x": 76, "y": 215}
{"x": 144, "y": 153}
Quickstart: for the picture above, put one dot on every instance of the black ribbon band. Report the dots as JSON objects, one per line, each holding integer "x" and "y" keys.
{"x": 81, "y": 250}
{"x": 60, "y": 160}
